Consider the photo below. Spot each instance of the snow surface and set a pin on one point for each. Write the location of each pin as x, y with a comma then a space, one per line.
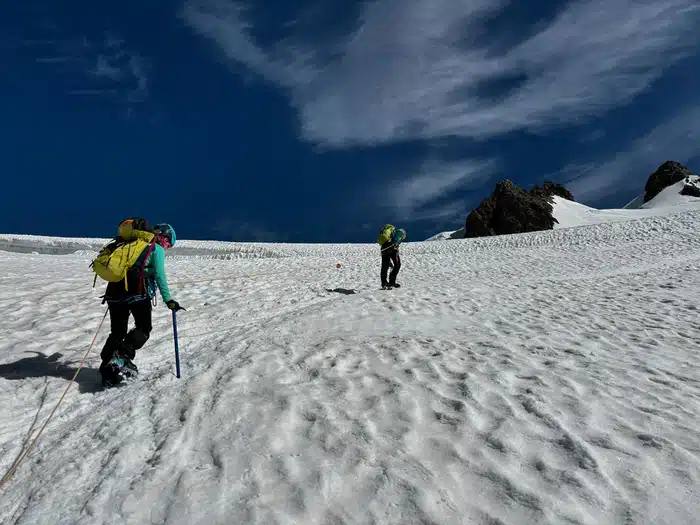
525, 379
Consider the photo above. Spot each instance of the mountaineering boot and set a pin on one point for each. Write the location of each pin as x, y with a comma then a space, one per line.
127, 352
110, 374
386, 287
395, 285
129, 369
124, 366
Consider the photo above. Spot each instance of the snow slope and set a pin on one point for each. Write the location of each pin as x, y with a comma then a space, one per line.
444, 236
669, 201
528, 379
671, 196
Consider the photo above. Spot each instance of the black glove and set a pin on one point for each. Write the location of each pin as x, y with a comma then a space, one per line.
174, 306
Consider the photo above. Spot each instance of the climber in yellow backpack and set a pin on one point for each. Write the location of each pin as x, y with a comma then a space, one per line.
389, 239
133, 265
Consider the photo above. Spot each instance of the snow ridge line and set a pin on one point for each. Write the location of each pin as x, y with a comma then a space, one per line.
224, 278
13, 469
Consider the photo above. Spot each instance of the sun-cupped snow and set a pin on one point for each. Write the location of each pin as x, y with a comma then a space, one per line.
543, 378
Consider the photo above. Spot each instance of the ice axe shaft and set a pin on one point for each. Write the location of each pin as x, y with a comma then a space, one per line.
177, 347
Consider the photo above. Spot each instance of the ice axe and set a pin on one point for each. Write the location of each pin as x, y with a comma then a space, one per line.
177, 348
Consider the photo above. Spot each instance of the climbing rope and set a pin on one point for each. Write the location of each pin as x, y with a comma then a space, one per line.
11, 472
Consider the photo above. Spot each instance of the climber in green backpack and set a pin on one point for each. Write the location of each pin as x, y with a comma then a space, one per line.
133, 264
389, 239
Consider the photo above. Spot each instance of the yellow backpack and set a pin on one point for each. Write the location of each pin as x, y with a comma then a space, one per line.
116, 259
385, 234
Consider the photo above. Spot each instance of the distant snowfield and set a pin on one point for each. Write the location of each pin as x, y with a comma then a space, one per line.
573, 214
526, 379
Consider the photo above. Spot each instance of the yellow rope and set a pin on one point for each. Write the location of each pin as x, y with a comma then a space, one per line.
20, 459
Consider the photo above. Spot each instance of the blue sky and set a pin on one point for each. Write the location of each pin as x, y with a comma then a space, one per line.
314, 121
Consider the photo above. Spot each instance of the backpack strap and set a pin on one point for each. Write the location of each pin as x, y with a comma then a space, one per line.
143, 264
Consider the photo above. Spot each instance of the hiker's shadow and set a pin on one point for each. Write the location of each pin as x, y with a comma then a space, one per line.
343, 291
41, 365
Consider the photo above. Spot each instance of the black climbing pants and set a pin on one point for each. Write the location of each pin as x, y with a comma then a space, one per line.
120, 337
390, 259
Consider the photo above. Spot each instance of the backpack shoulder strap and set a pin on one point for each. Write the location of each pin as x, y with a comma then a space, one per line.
149, 251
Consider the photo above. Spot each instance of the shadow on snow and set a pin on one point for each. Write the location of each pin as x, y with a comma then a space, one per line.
344, 291
88, 380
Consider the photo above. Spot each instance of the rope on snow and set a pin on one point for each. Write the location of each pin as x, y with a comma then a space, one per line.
13, 469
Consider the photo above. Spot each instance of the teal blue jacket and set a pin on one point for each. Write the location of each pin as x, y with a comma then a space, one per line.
155, 274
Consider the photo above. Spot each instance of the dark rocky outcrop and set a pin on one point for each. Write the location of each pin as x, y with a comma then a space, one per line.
667, 174
691, 188
511, 209
550, 188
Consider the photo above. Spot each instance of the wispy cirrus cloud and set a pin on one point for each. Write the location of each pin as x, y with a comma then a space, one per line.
448, 213
412, 70
139, 69
107, 67
93, 92
104, 67
225, 23
54, 59
678, 139
433, 181
124, 70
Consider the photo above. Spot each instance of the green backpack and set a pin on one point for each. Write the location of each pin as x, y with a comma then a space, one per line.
116, 259
385, 234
